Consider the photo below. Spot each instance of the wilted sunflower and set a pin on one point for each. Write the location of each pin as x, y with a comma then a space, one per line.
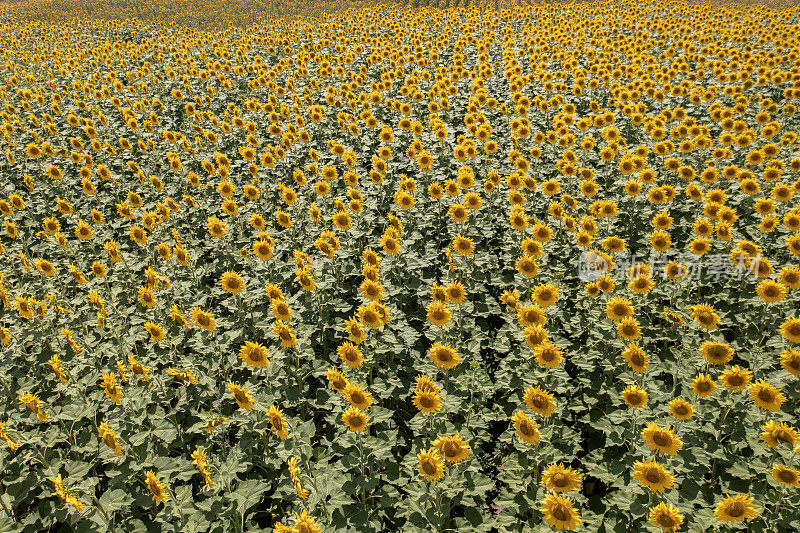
666, 516
559, 478
559, 512
453, 449
527, 429
653, 475
661, 440
766, 396
736, 508
430, 465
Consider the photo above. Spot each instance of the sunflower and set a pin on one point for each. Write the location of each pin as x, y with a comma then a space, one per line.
216, 227
232, 282
636, 358
716, 353
641, 284
628, 329
527, 429
427, 401
254, 354
790, 329
157, 333
681, 409
455, 292
453, 449
463, 245
790, 362
354, 419
281, 310
157, 489
706, 316
357, 396
736, 508
634, 397
337, 380
109, 383
526, 265
350, 355
548, 354
786, 476
661, 439
285, 334
736, 378
545, 295
355, 332
703, 385
203, 319
430, 465
770, 291
766, 396
278, 422
527, 315
539, 401
774, 432
146, 297
666, 516
559, 478
444, 356
438, 314
243, 398
653, 475
559, 512
618, 309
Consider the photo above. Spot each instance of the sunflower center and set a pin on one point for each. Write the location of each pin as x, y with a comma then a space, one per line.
661, 438
428, 468
666, 521
560, 512
539, 402
426, 401
681, 410
765, 395
736, 380
704, 386
786, 476
526, 429
652, 475
450, 449
736, 509
560, 480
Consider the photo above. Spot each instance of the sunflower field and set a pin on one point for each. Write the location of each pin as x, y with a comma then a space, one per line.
447, 265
